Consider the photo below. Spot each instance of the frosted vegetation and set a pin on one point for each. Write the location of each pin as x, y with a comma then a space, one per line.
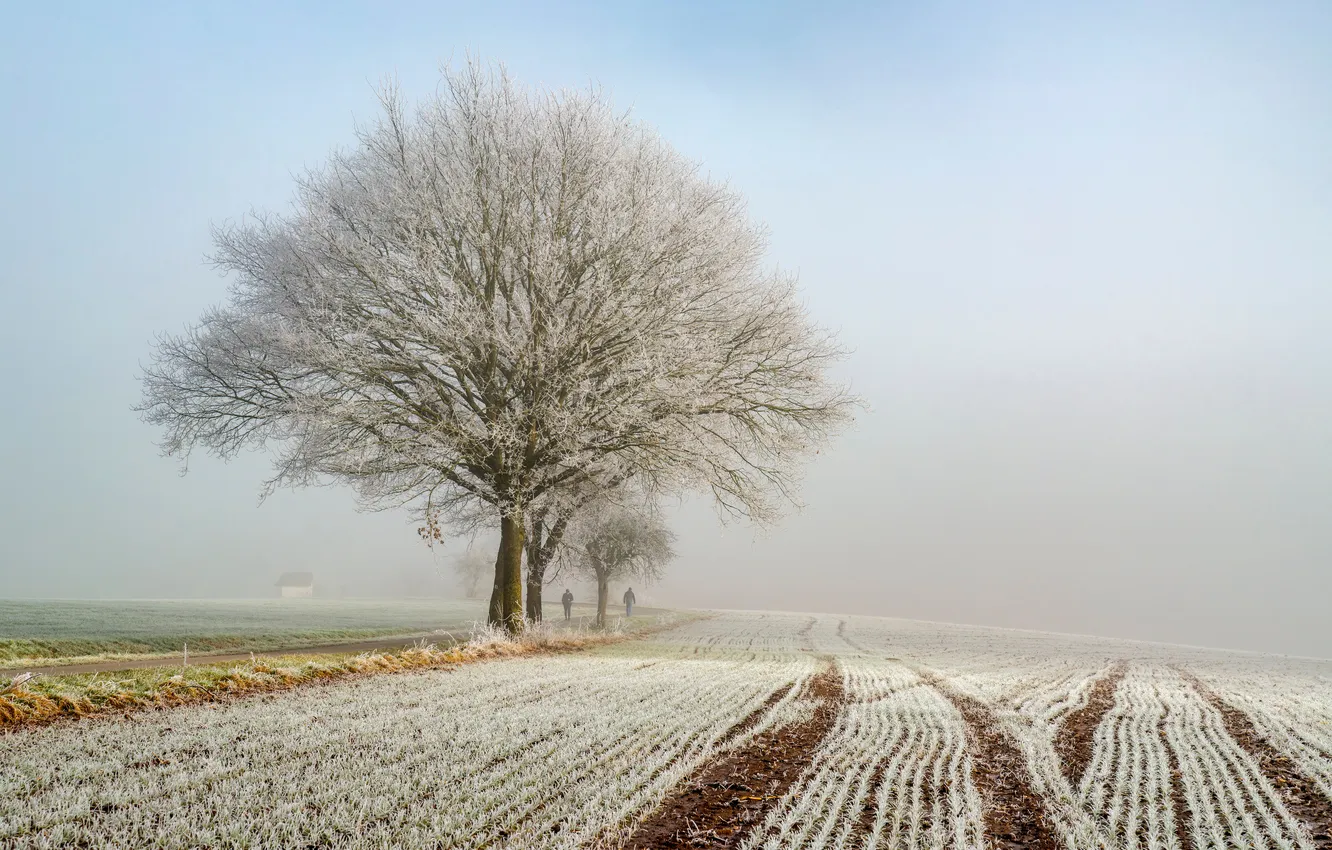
1294, 710
35, 632
495, 304
574, 750
416, 759
900, 748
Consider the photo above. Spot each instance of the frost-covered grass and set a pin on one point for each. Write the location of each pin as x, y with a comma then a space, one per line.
1292, 712
36, 633
891, 773
573, 750
1230, 803
897, 752
1031, 681
81, 694
542, 751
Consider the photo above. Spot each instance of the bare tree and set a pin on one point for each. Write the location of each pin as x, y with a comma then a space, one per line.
494, 304
614, 542
471, 567
545, 534
546, 528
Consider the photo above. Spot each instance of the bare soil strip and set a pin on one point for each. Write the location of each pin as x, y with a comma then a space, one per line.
870, 809
1077, 734
1302, 797
804, 634
1182, 813
1014, 813
726, 798
841, 633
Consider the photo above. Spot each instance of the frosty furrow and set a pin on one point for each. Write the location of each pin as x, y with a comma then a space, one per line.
536, 751
1293, 713
894, 772
1129, 778
1037, 704
1159, 722
743, 631
1231, 801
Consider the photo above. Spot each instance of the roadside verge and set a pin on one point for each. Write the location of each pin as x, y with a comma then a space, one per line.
45, 700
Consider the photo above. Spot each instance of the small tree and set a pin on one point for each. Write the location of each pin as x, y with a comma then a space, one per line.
547, 525
614, 542
471, 567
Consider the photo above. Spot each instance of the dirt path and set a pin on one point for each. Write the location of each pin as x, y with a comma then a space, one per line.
1014, 813
1301, 795
1076, 738
724, 800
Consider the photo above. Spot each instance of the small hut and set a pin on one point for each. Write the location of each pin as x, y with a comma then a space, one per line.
296, 585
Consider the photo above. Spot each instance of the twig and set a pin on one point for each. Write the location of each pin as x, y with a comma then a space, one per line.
18, 682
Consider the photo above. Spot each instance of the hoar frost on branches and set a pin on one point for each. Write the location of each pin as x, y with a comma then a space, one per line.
613, 542
506, 298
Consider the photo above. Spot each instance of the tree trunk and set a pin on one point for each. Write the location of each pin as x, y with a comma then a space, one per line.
495, 616
506, 599
536, 571
603, 594
539, 554
533, 603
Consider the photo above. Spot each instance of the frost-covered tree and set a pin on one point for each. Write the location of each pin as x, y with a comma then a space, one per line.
544, 536
549, 522
471, 567
614, 542
494, 303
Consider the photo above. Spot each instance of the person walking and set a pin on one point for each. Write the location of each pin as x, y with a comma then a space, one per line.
629, 602
567, 599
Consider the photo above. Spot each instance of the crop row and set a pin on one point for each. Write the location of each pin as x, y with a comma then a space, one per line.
575, 750
893, 773
1294, 713
538, 752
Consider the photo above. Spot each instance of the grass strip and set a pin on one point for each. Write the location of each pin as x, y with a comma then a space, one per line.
52, 698
69, 651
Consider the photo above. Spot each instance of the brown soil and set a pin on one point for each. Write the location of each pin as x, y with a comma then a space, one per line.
1302, 797
1014, 813
870, 809
723, 800
1076, 736
1177, 800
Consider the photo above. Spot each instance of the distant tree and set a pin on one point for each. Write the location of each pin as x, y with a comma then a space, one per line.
471, 567
614, 542
497, 303
547, 526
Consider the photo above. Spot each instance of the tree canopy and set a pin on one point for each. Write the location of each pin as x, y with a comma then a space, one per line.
613, 542
504, 298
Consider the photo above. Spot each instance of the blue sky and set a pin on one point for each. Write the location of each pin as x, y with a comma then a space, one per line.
1083, 257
